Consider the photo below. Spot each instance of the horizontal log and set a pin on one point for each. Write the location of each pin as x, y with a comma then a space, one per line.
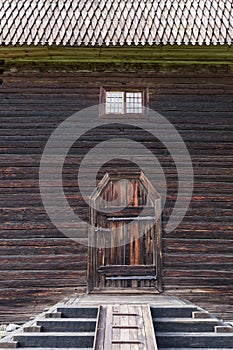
187, 246
220, 217
54, 250
213, 225
41, 242
206, 292
187, 135
200, 234
38, 233
34, 161
45, 127
201, 173
183, 119
72, 232
198, 274
197, 259
39, 283
201, 282
41, 262
40, 275
198, 267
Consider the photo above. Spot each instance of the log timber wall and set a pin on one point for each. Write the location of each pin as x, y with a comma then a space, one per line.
39, 265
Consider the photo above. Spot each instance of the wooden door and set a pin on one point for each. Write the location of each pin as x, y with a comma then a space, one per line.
125, 237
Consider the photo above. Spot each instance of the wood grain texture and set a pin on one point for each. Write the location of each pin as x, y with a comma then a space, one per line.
37, 263
123, 327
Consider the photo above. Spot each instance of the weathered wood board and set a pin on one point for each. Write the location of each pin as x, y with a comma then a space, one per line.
124, 327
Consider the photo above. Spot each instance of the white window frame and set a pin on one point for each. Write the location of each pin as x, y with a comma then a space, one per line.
125, 101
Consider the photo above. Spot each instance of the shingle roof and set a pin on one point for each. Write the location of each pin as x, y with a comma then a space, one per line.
98, 22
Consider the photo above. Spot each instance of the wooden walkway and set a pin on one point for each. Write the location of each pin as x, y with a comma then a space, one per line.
125, 327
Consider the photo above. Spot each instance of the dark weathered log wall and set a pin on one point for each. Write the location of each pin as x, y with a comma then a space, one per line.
37, 263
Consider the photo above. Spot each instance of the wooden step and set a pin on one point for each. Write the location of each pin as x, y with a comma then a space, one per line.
67, 325
194, 340
78, 312
55, 340
179, 324
193, 348
125, 327
173, 311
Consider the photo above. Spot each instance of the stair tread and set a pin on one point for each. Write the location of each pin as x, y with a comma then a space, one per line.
186, 319
64, 319
194, 334
60, 334
79, 307
195, 349
184, 306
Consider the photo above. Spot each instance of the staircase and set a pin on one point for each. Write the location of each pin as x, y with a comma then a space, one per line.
190, 328
65, 328
123, 326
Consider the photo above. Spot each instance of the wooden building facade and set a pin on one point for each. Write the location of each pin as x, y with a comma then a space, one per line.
43, 85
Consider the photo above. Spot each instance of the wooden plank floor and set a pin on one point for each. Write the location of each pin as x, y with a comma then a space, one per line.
95, 299
125, 327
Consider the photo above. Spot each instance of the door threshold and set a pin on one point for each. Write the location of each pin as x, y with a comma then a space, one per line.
125, 291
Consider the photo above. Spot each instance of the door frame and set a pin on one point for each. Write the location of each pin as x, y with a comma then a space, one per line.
92, 249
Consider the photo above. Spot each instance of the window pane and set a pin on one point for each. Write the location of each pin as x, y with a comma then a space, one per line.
114, 102
133, 102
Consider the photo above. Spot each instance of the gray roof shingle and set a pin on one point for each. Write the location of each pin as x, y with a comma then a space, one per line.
99, 22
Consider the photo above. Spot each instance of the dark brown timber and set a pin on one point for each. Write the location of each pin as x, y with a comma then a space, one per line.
38, 265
